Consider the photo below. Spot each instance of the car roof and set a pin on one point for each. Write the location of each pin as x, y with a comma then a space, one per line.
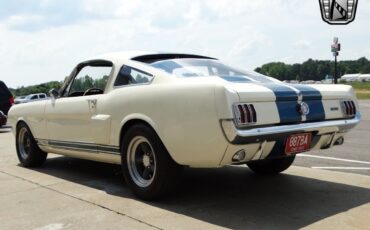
144, 56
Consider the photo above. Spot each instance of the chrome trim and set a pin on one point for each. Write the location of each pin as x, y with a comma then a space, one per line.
243, 136
79, 146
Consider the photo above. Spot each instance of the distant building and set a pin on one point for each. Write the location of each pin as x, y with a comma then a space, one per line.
364, 77
350, 77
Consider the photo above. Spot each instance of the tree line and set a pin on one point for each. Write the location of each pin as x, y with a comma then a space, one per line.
40, 88
313, 69
80, 84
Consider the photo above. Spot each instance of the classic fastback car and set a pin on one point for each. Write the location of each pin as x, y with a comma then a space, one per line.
156, 112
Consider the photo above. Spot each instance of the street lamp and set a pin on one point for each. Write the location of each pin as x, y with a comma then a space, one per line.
335, 48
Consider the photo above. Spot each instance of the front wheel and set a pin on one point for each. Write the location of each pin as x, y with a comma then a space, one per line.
271, 166
29, 154
148, 169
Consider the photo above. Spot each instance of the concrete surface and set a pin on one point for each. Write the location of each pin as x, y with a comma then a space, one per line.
76, 194
356, 148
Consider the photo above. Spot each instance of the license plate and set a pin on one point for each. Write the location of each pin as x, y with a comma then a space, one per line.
298, 143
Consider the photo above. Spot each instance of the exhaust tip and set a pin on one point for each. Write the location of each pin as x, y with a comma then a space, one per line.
239, 156
339, 141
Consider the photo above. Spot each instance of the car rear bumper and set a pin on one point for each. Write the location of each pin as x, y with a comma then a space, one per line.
254, 135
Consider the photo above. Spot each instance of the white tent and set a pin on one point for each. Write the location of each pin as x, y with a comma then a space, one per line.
350, 77
364, 77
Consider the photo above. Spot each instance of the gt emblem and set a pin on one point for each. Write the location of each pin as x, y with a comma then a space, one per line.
338, 12
303, 108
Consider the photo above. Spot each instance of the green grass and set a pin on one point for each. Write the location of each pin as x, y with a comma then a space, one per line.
360, 85
362, 89
363, 95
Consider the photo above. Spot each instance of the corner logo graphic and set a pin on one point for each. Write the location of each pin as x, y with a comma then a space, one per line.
338, 12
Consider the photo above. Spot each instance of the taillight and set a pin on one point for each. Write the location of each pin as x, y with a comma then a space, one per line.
348, 108
245, 114
11, 100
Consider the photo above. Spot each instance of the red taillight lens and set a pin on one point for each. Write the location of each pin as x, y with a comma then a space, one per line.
11, 100
245, 114
348, 108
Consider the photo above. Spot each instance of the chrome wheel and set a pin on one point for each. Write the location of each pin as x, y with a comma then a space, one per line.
141, 161
24, 143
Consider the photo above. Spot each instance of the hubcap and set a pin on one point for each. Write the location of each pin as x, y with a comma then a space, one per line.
141, 161
24, 143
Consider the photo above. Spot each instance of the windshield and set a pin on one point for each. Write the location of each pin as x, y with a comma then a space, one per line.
190, 67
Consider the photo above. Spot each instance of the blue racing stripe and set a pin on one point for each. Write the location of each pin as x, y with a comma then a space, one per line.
282, 92
286, 102
308, 92
313, 98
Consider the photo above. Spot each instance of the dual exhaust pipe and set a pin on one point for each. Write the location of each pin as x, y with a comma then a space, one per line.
240, 155
339, 141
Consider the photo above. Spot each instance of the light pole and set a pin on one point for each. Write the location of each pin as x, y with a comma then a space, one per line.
335, 48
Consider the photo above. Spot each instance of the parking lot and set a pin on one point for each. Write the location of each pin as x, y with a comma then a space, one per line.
323, 190
353, 156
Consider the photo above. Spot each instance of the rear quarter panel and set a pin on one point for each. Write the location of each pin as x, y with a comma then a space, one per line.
183, 114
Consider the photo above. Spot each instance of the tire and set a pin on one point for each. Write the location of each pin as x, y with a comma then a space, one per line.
271, 166
29, 154
147, 167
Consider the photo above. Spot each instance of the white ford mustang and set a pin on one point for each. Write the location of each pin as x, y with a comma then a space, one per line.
155, 112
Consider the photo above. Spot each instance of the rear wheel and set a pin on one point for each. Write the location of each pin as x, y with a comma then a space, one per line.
29, 154
271, 166
147, 167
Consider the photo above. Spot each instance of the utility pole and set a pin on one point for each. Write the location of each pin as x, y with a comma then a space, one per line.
335, 48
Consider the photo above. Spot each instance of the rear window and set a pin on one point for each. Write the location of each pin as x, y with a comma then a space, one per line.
191, 67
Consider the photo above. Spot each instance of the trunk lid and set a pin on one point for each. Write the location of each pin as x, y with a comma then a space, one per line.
323, 101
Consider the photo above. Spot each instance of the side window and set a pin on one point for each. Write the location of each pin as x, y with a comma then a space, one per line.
34, 97
129, 76
90, 80
42, 96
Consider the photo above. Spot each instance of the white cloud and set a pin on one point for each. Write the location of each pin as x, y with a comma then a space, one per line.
22, 20
45, 41
247, 44
302, 45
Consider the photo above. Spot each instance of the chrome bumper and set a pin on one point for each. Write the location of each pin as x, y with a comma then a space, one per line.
244, 136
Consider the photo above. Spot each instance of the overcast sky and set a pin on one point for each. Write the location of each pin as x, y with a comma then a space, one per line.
42, 40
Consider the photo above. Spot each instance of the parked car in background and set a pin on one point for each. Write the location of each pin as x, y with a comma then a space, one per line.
3, 119
18, 99
32, 97
6, 98
153, 113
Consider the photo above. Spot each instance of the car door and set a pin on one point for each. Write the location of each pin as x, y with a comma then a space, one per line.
70, 118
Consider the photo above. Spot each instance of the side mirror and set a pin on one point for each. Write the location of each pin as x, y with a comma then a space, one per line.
54, 93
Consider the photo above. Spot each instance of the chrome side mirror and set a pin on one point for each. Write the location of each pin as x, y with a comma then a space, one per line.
54, 93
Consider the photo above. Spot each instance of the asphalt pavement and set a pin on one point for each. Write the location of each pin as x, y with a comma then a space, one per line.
70, 193
353, 156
